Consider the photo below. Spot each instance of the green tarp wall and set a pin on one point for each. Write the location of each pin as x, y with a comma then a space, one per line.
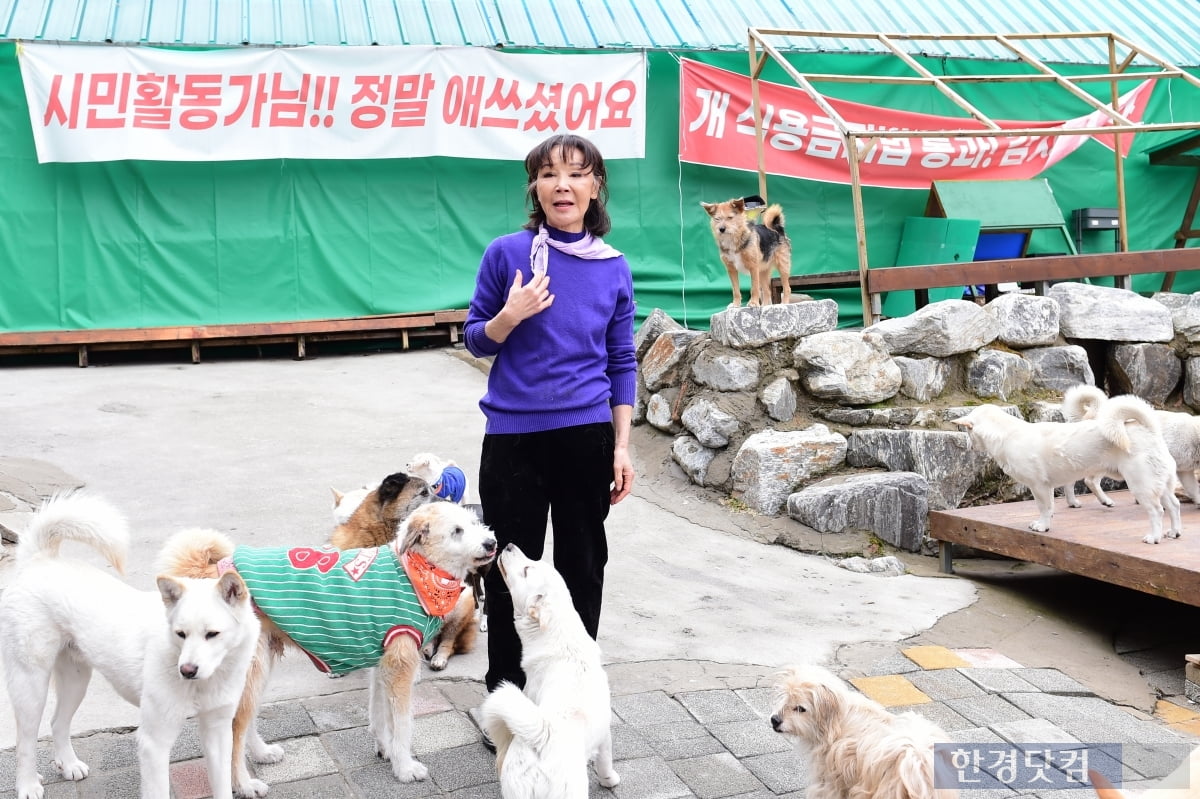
141, 243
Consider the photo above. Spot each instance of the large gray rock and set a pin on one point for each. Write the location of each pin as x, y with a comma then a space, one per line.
779, 397
944, 458
848, 367
664, 363
892, 505
1151, 371
693, 457
770, 465
995, 373
661, 411
711, 426
924, 378
940, 329
1025, 320
1110, 314
753, 326
1059, 368
725, 369
657, 323
1185, 313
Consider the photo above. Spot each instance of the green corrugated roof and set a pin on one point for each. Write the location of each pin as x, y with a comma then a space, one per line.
1165, 27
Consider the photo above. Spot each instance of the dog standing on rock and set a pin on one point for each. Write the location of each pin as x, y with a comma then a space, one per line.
752, 248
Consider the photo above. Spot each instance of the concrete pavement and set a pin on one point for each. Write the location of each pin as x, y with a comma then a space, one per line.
699, 612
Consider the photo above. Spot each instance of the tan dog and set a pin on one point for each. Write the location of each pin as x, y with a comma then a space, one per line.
314, 594
374, 523
752, 248
855, 746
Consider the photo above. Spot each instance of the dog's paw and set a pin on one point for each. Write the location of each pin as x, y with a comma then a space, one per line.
611, 780
483, 624
411, 772
1038, 527
1108, 503
1173, 534
268, 753
1151, 538
438, 661
252, 789
32, 790
73, 770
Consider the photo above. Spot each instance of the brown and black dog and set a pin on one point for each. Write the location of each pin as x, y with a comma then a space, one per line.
374, 522
752, 248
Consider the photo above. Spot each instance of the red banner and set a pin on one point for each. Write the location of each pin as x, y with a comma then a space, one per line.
716, 127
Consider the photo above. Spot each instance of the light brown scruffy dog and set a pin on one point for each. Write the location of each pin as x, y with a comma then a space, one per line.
374, 523
855, 746
752, 248
362, 608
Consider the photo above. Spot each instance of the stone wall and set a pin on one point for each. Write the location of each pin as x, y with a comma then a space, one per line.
847, 431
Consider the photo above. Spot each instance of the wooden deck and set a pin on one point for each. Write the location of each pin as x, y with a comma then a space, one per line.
1093, 541
402, 326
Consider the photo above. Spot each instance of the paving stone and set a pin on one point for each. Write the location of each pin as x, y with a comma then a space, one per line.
983, 710
649, 778
1052, 681
987, 658
650, 707
1032, 731
678, 748
102, 752
443, 731
332, 786
709, 707
746, 738
351, 748
934, 657
942, 684
303, 758
975, 735
892, 664
338, 711
489, 791
890, 691
760, 700
779, 771
377, 779
629, 743
280, 720
997, 680
122, 784
187, 745
1154, 761
939, 714
713, 776
189, 780
461, 767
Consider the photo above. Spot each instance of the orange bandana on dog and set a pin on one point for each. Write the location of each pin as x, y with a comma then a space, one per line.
436, 588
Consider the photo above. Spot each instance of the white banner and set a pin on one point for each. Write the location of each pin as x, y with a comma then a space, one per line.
108, 103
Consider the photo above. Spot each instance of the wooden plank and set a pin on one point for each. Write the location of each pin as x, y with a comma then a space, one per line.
1093, 541
823, 280
1015, 270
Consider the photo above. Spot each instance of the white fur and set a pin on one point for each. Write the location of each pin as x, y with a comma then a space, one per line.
855, 747
545, 736
429, 467
60, 619
1124, 439
344, 504
1181, 431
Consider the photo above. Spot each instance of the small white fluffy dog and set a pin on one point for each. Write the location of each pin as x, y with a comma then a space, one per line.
345, 503
182, 649
1181, 431
445, 477
1124, 439
855, 747
545, 736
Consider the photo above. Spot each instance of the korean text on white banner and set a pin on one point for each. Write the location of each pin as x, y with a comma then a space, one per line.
716, 127
107, 103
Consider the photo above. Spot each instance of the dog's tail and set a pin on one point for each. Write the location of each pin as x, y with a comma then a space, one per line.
507, 714
81, 517
194, 553
1082, 402
1115, 414
773, 218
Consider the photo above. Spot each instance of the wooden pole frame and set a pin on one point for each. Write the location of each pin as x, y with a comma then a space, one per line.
858, 143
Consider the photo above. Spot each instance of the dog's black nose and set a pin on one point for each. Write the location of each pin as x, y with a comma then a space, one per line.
189, 670
509, 547
775, 722
489, 546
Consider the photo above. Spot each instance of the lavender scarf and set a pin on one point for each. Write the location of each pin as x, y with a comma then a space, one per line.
590, 247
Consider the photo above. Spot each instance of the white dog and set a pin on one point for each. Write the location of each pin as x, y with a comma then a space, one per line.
545, 736
182, 649
1181, 431
445, 477
1124, 439
855, 747
345, 503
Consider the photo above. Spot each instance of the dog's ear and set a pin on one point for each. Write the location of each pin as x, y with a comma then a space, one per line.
338, 496
170, 589
536, 609
709, 207
417, 526
232, 589
391, 487
739, 205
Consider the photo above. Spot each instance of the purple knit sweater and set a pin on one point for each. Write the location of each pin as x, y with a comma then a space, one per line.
567, 365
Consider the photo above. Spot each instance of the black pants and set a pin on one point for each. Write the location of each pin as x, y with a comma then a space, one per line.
566, 473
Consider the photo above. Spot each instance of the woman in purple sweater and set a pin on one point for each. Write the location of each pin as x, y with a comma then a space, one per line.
554, 304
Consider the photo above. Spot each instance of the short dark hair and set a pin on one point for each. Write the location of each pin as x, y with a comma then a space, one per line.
595, 219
